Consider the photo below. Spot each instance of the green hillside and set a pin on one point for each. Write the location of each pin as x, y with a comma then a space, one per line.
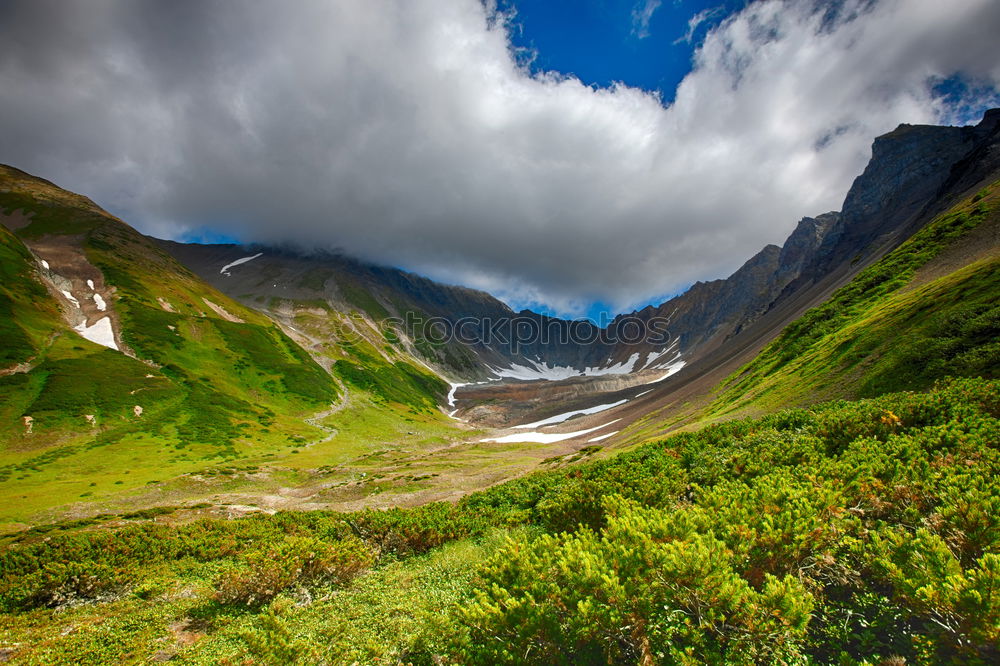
218, 384
862, 531
899, 325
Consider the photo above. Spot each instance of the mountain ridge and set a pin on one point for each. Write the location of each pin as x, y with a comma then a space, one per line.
287, 362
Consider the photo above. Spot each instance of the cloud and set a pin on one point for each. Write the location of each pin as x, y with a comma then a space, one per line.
697, 20
406, 133
642, 14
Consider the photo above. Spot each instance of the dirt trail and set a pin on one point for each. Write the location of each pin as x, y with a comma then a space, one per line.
32, 361
316, 419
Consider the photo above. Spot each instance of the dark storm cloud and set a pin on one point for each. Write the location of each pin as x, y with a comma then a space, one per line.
403, 131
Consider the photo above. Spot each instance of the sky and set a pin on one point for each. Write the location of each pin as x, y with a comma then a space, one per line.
564, 155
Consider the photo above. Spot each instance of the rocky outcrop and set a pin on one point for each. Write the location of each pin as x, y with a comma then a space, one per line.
913, 169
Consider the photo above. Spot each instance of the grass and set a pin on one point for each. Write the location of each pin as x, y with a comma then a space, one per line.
28, 318
213, 392
853, 532
381, 616
874, 335
788, 505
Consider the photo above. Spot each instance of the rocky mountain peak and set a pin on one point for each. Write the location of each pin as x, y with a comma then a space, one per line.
803, 242
908, 168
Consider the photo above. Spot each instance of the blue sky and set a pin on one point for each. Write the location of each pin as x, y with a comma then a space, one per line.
647, 44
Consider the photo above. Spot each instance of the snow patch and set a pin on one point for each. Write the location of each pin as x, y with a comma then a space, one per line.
600, 437
543, 437
559, 418
225, 269
99, 302
90, 283
533, 370
671, 370
642, 394
45, 264
451, 399
451, 393
70, 298
539, 371
652, 357
622, 368
101, 332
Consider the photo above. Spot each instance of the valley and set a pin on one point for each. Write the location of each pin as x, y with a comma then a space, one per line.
229, 395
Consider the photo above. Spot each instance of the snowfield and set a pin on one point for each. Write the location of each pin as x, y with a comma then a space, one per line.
622, 368
101, 332
559, 418
543, 437
671, 370
540, 370
451, 393
225, 269
653, 357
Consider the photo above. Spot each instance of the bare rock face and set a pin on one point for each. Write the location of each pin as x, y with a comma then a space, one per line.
802, 244
711, 312
912, 168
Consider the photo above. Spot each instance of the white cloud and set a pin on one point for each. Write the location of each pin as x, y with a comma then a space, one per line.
406, 133
697, 20
642, 14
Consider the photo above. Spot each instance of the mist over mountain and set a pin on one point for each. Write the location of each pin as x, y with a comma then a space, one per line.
408, 134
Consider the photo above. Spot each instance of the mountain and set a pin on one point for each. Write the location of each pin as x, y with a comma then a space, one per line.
316, 379
464, 333
860, 531
914, 172
122, 369
153, 394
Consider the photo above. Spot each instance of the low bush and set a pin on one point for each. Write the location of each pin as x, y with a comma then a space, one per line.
58, 584
260, 575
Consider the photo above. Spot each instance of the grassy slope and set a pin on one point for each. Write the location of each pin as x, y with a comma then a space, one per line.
875, 335
853, 532
27, 317
881, 332
221, 394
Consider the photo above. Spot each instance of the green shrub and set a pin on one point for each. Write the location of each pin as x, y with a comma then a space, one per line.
408, 531
644, 590
260, 575
59, 584
271, 641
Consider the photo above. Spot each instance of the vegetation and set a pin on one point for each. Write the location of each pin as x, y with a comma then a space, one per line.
211, 389
845, 532
22, 327
851, 532
883, 331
